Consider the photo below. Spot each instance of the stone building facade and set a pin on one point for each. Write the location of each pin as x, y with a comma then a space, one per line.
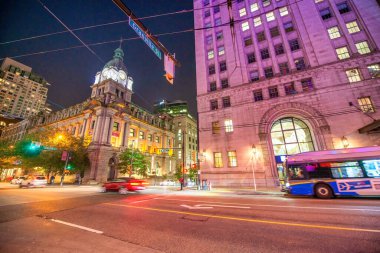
276, 78
112, 122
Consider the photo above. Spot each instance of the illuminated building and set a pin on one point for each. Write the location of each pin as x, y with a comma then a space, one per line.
112, 123
277, 77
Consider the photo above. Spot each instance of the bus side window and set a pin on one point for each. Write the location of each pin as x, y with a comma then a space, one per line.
296, 173
372, 168
315, 170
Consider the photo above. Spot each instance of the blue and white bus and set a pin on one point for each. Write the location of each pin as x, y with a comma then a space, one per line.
330, 173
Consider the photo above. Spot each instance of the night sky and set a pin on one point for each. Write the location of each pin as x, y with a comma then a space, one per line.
72, 71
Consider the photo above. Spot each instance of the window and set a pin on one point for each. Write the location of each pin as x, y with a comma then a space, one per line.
264, 53
257, 21
273, 92
226, 102
260, 36
307, 84
363, 47
268, 72
218, 163
258, 95
216, 9
293, 44
221, 50
232, 161
343, 8
115, 126
289, 89
284, 69
209, 40
342, 53
288, 27
274, 32
251, 58
157, 139
207, 13
366, 104
208, 25
223, 66
210, 54
266, 3
245, 26
224, 83
219, 35
291, 136
270, 16
215, 127
213, 86
374, 70
254, 76
352, 27
141, 135
325, 14
214, 104
300, 64
318, 1
372, 168
211, 69
228, 126
284, 11
254, 7
346, 170
218, 21
248, 41
132, 132
242, 12
279, 49
333, 32
353, 75
206, 2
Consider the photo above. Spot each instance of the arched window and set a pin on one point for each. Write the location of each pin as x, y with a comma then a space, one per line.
291, 136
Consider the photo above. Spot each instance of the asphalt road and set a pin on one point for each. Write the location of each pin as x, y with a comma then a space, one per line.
79, 219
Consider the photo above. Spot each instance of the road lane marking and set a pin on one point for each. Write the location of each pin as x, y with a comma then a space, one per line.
197, 207
260, 205
250, 220
77, 226
208, 206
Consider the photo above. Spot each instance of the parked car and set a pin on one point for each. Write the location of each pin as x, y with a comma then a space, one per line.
34, 181
18, 180
124, 184
168, 182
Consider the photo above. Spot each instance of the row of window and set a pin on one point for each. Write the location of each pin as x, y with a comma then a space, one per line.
132, 133
342, 8
232, 159
354, 75
225, 103
343, 52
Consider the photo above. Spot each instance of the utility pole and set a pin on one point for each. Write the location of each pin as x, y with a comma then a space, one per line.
183, 159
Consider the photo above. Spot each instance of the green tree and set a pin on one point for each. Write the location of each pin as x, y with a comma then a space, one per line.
132, 161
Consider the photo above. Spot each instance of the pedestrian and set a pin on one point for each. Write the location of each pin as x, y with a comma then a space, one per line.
52, 178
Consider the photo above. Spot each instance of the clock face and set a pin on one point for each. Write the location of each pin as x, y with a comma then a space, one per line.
122, 75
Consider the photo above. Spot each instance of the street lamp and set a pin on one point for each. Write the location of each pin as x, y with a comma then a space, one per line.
345, 142
254, 151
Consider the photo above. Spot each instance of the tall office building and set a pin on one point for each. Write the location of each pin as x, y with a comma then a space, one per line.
280, 77
22, 92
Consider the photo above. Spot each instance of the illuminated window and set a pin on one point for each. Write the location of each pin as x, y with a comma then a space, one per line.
218, 162
232, 161
179, 154
210, 54
334, 32
352, 27
115, 126
342, 53
132, 132
374, 70
362, 47
242, 12
291, 136
254, 7
157, 139
284, 11
245, 26
141, 135
318, 1
228, 126
150, 137
366, 104
270, 16
215, 127
221, 50
257, 21
353, 75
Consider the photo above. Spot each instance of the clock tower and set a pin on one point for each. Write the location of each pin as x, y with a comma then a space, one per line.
113, 84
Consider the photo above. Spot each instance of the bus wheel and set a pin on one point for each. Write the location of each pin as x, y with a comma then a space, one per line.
323, 191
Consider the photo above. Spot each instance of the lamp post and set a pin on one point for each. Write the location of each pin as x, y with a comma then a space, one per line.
253, 169
345, 142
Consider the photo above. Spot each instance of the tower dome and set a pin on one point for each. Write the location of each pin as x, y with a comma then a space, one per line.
117, 61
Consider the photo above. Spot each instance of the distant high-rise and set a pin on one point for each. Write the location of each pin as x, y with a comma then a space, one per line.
280, 77
22, 92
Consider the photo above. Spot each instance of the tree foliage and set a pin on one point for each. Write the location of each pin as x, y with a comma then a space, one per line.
132, 161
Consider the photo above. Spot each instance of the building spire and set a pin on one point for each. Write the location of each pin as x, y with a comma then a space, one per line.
121, 41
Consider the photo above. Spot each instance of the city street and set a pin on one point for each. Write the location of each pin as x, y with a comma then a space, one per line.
79, 219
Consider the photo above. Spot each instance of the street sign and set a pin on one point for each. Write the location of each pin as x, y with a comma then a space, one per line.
64, 155
143, 36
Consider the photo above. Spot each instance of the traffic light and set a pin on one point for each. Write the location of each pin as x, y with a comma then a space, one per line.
69, 167
194, 166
